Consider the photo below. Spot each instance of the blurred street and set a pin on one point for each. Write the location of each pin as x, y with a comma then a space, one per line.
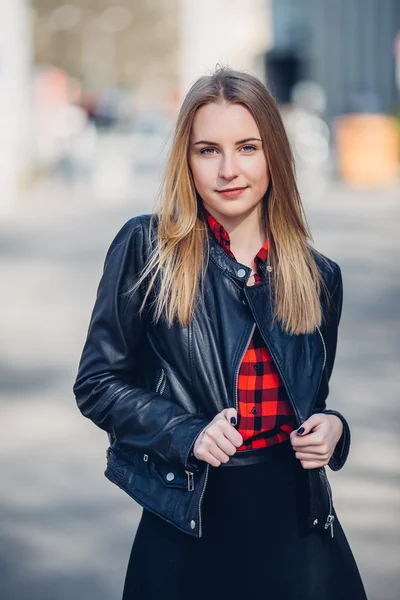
66, 532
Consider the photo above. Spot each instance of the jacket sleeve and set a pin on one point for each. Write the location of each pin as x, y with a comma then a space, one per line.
106, 388
329, 331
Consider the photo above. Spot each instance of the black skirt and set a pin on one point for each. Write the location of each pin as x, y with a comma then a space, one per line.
255, 541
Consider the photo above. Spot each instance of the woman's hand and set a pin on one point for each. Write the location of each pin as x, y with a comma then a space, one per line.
316, 448
219, 440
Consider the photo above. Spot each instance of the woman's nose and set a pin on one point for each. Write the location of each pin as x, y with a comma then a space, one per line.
228, 167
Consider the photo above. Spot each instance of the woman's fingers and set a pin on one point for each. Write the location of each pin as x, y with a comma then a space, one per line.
311, 456
218, 445
313, 464
219, 440
225, 436
312, 439
312, 444
229, 414
219, 455
214, 456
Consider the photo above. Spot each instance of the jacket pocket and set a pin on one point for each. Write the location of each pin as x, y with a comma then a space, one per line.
164, 489
170, 476
121, 460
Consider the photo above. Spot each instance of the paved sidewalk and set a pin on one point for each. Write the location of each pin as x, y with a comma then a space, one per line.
65, 531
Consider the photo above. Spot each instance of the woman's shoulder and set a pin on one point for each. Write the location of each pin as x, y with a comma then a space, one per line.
138, 222
329, 269
132, 238
136, 228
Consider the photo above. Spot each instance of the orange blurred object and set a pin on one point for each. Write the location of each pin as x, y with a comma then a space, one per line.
368, 148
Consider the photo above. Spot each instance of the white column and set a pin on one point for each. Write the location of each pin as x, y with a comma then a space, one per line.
230, 32
15, 97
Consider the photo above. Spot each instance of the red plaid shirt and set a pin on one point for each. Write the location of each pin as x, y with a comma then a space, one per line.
265, 416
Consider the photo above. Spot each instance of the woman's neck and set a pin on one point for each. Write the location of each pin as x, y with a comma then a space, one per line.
247, 235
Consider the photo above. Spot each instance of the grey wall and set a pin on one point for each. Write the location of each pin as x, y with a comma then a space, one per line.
346, 45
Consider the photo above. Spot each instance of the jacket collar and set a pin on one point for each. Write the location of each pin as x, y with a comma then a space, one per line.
218, 253
226, 263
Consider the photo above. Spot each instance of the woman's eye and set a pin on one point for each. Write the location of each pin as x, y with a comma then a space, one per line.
247, 149
205, 150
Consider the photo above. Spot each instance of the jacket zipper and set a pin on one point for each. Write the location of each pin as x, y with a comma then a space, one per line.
161, 382
190, 478
298, 420
330, 518
201, 497
238, 368
323, 344
283, 380
324, 362
236, 406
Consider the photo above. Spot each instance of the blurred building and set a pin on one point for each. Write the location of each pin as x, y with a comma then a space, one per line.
345, 46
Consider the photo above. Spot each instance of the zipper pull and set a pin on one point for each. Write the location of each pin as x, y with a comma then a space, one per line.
329, 523
190, 480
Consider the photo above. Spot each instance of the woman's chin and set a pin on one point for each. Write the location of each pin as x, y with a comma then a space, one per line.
232, 208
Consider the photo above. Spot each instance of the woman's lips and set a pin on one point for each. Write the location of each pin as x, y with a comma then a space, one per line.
233, 193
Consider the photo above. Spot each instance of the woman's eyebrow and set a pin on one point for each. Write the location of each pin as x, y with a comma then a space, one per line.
250, 139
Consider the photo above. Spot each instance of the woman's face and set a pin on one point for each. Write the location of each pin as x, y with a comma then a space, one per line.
225, 153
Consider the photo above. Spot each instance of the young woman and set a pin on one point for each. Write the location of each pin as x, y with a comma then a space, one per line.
207, 360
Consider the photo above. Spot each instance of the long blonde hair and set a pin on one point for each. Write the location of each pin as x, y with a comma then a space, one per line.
180, 256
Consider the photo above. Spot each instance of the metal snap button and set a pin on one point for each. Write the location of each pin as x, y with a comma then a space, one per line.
241, 273
145, 457
192, 524
315, 522
254, 411
269, 268
170, 476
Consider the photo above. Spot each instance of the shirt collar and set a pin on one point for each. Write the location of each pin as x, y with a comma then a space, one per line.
222, 237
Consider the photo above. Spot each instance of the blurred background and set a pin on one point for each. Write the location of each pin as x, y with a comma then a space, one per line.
89, 92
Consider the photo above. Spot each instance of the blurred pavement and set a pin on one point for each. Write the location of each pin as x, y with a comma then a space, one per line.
66, 532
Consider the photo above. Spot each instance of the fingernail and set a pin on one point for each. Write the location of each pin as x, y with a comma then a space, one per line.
233, 420
301, 430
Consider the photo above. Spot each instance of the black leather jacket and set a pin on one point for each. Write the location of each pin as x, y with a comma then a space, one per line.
154, 388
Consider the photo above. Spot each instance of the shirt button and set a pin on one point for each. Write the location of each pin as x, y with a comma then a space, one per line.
254, 411
241, 273
269, 268
256, 366
170, 476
